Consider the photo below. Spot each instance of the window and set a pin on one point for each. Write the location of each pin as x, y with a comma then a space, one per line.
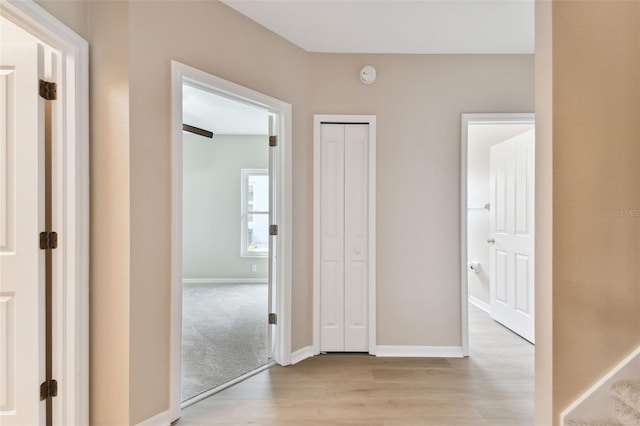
254, 239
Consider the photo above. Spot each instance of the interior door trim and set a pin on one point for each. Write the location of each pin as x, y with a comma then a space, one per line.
318, 120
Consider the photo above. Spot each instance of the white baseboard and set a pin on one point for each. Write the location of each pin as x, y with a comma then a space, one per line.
162, 419
302, 354
480, 304
188, 281
596, 402
420, 351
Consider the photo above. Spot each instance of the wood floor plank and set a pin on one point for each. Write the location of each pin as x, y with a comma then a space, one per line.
493, 387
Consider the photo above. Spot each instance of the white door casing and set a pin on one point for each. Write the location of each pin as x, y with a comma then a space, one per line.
512, 233
22, 296
344, 234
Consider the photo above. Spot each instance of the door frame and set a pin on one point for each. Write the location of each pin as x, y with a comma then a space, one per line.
283, 171
70, 192
318, 119
466, 120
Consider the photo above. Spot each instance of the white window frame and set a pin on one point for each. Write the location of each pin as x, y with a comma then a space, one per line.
244, 213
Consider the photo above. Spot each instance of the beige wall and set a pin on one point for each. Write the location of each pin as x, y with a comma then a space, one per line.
596, 154
544, 215
418, 100
110, 221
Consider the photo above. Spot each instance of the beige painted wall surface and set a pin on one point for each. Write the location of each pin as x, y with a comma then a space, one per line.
544, 216
596, 191
73, 13
110, 221
211, 37
418, 100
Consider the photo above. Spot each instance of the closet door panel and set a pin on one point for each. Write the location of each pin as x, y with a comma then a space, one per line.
332, 238
356, 224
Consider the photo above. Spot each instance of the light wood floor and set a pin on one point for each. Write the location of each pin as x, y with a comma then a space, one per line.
494, 386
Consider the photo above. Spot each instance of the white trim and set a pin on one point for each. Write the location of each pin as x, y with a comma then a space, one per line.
71, 207
480, 304
180, 73
627, 369
302, 354
467, 119
317, 120
420, 351
162, 419
195, 281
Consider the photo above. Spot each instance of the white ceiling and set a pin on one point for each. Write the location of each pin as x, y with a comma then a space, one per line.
220, 115
398, 26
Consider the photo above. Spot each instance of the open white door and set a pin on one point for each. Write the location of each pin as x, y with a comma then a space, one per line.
22, 295
512, 232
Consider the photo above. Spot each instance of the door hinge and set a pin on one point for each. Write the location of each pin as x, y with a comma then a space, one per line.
48, 90
273, 141
48, 240
273, 229
48, 389
273, 319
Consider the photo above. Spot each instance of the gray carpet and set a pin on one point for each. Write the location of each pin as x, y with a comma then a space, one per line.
224, 334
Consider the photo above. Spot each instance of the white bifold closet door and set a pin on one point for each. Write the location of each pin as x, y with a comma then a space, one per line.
344, 238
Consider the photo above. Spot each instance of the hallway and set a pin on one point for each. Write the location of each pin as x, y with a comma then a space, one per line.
492, 387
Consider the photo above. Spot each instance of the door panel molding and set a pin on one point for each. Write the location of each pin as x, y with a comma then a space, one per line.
512, 162
368, 250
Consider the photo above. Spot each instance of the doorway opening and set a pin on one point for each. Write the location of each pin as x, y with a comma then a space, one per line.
226, 242
497, 205
231, 234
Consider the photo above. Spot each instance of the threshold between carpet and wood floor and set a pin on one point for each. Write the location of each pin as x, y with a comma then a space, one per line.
493, 387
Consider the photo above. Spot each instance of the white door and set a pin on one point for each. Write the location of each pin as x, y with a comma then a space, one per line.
344, 206
22, 314
512, 232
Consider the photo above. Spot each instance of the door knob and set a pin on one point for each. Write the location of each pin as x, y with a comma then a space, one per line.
491, 240
357, 250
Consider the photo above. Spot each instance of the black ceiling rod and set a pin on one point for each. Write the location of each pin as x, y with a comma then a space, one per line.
197, 131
